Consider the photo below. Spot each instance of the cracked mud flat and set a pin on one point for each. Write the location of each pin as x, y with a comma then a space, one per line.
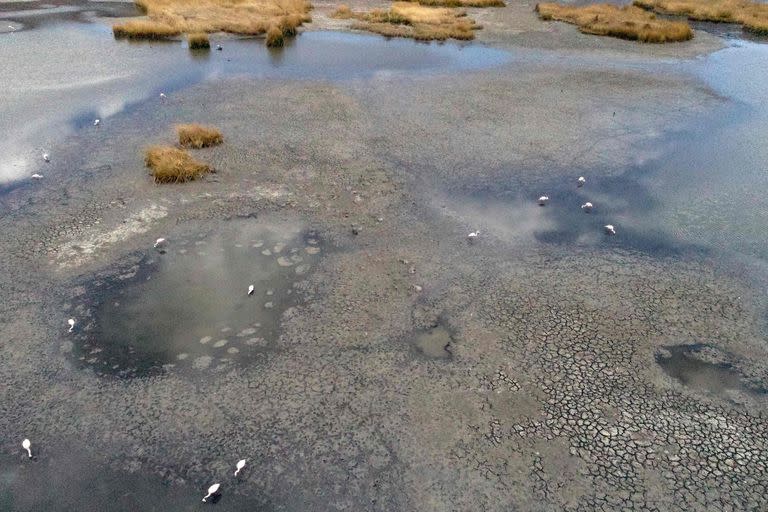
552, 397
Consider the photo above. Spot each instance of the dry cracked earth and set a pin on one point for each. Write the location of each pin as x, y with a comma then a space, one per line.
407, 368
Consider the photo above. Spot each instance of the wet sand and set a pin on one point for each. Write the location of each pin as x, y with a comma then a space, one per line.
548, 396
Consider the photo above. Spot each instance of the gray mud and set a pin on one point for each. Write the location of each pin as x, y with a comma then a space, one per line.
552, 397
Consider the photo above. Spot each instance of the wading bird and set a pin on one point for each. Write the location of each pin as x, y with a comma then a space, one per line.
71, 323
218, 47
473, 235
162, 95
211, 491
587, 207
37, 176
46, 157
543, 200
240, 465
250, 290
609, 229
27, 445
96, 122
159, 243
581, 181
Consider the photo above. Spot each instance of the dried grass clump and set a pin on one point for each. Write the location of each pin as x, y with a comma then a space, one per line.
172, 165
627, 22
752, 15
275, 37
408, 19
145, 29
246, 17
343, 12
197, 136
461, 3
198, 41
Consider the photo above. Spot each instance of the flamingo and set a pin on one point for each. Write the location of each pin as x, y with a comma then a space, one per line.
37, 176
27, 445
96, 122
162, 95
587, 207
211, 491
609, 229
543, 200
46, 157
240, 465
581, 181
159, 243
71, 323
250, 290
473, 235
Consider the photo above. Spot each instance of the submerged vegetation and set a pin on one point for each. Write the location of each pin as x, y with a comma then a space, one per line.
197, 136
627, 22
408, 19
752, 15
172, 165
170, 18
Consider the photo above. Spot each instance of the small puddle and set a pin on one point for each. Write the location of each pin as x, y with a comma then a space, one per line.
435, 342
695, 367
189, 308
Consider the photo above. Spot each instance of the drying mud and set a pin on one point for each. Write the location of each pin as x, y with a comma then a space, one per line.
384, 360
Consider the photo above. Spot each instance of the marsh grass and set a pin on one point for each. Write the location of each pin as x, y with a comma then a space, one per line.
409, 19
275, 37
752, 15
170, 18
172, 165
145, 29
627, 22
198, 41
197, 136
461, 3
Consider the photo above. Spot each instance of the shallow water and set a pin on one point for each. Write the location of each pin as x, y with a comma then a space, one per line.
701, 192
683, 363
71, 73
61, 478
434, 342
188, 308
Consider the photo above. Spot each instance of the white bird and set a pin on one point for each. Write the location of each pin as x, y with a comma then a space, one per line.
250, 290
159, 243
27, 445
96, 122
37, 176
218, 47
240, 465
162, 95
609, 229
473, 234
581, 181
587, 207
211, 491
71, 323
543, 200
46, 157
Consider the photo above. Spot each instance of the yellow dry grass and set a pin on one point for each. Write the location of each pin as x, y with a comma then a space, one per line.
627, 22
197, 136
145, 29
198, 41
168, 18
752, 15
461, 3
275, 37
408, 19
172, 165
